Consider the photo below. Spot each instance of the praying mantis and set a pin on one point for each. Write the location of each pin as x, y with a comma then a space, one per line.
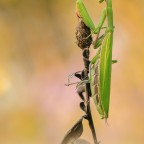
95, 78
101, 64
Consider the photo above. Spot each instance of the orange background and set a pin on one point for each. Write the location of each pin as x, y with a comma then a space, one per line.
38, 51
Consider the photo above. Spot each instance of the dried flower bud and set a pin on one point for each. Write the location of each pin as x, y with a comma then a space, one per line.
83, 35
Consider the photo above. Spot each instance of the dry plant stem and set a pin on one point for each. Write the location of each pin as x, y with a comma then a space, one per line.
91, 125
87, 87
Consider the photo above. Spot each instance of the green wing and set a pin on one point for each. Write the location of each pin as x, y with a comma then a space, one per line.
105, 72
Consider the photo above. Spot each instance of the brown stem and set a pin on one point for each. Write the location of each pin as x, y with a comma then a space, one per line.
91, 124
87, 88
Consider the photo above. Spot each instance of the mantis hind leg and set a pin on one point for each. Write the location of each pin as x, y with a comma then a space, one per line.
80, 85
78, 74
72, 75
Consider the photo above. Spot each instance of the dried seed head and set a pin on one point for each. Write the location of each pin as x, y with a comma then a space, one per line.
83, 35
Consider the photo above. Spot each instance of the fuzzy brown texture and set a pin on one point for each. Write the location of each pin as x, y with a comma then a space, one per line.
83, 35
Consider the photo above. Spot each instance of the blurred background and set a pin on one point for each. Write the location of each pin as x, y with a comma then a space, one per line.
38, 52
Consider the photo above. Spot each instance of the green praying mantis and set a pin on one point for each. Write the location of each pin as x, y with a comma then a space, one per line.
101, 64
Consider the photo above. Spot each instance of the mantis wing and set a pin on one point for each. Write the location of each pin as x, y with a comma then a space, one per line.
105, 72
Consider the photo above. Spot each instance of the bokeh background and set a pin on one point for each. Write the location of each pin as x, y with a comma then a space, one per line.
38, 51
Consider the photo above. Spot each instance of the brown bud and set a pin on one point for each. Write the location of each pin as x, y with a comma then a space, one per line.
83, 35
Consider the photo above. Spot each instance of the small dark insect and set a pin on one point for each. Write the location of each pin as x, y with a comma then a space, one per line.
83, 35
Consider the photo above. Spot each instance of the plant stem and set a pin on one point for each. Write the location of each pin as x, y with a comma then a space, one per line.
91, 125
87, 89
